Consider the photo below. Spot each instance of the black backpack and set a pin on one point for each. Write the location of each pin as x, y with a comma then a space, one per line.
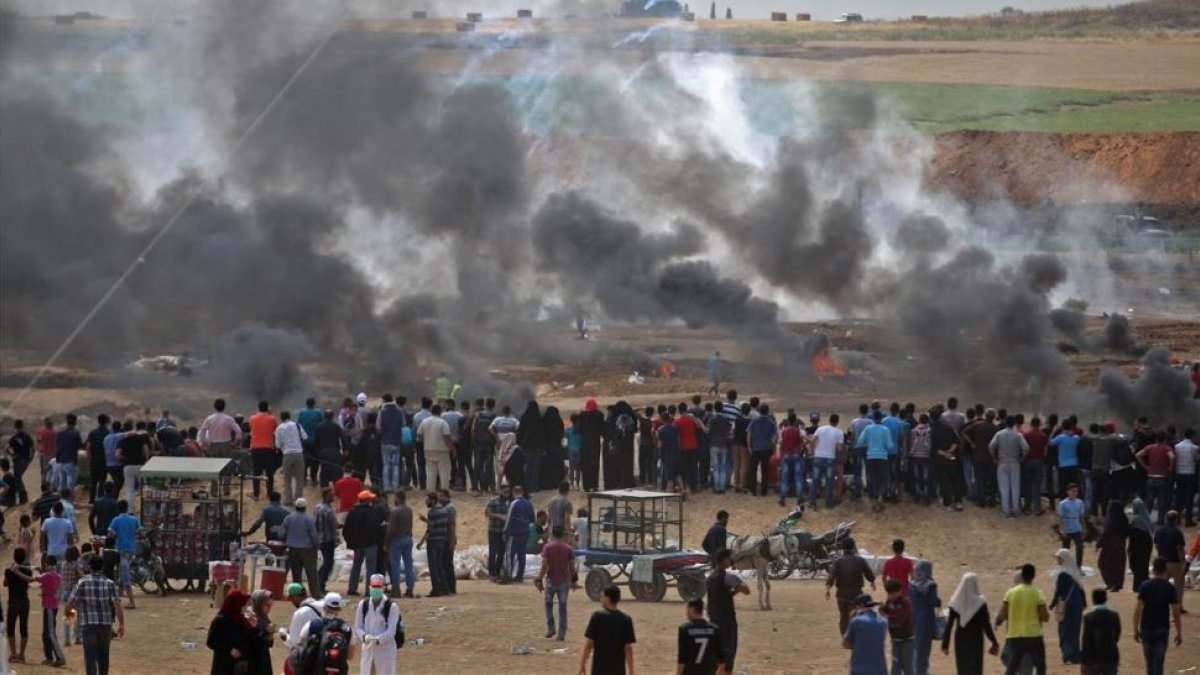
481, 437
326, 651
387, 606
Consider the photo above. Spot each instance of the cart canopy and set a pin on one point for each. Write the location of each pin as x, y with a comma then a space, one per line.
192, 468
633, 494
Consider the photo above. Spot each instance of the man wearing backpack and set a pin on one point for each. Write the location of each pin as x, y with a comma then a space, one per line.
325, 643
307, 610
379, 628
483, 445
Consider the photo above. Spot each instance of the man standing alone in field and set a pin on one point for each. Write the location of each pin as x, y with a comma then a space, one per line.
609, 638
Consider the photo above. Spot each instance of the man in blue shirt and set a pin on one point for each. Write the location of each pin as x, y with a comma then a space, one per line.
125, 528
516, 529
866, 635
308, 419
1070, 521
1067, 445
878, 442
899, 429
763, 434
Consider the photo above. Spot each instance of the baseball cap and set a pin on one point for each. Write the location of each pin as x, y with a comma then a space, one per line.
301, 503
361, 398
292, 590
334, 601
865, 600
366, 496
377, 581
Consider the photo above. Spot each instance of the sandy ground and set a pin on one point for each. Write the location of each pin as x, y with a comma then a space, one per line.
476, 631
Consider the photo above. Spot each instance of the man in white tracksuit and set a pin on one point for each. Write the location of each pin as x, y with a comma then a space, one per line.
375, 621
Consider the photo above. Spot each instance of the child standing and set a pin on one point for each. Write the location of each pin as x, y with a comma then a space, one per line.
72, 572
574, 448
25, 533
51, 581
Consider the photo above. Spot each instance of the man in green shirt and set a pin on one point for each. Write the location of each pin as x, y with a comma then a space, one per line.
1025, 610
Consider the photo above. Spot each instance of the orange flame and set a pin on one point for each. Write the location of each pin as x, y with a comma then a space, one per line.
666, 369
824, 365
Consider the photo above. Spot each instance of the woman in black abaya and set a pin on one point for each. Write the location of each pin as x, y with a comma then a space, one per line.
553, 432
530, 437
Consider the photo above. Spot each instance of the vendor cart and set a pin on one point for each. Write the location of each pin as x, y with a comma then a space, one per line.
196, 506
637, 534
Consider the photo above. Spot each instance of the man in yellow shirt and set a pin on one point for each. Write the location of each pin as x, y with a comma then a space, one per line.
1025, 610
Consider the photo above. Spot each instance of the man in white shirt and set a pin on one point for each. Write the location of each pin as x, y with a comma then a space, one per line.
375, 622
434, 436
307, 609
1185, 475
827, 442
289, 438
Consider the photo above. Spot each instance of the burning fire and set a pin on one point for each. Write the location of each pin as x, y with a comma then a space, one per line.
666, 369
824, 365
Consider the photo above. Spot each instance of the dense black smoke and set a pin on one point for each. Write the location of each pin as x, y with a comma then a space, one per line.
1160, 392
1120, 337
263, 363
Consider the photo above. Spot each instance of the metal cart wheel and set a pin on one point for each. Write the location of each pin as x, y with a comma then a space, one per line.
779, 569
651, 591
595, 582
690, 586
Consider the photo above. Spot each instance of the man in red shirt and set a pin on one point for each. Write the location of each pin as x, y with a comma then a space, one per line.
262, 447
898, 567
792, 445
47, 448
1158, 459
556, 579
689, 447
347, 488
1033, 467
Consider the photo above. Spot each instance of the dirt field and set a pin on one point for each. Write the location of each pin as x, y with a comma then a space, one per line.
798, 636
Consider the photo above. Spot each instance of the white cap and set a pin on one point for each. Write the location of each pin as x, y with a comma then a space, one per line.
333, 601
301, 503
361, 398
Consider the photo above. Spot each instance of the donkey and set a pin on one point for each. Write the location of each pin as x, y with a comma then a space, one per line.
756, 552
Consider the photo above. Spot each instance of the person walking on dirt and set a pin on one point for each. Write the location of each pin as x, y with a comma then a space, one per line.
609, 638
375, 622
700, 651
721, 586
299, 534
848, 574
97, 603
1025, 611
555, 580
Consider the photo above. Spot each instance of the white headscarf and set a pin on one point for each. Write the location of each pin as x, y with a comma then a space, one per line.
508, 446
1066, 565
967, 600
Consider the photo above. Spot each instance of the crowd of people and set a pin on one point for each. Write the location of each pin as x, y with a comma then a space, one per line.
367, 460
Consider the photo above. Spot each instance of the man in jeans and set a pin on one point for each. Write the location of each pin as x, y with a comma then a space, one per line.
95, 599
496, 513
327, 535
516, 529
555, 580
125, 528
1157, 607
400, 545
1070, 521
391, 426
1158, 459
762, 434
362, 531
828, 442
1025, 611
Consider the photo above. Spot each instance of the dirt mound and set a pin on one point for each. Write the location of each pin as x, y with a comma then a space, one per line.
1036, 168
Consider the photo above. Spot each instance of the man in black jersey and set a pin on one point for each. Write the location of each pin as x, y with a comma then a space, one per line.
722, 585
700, 651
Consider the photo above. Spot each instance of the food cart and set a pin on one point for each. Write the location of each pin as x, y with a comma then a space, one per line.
194, 506
640, 534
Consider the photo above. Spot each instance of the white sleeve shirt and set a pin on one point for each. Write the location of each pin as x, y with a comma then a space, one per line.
374, 624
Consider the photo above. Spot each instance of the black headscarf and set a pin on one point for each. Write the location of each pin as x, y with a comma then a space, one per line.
1117, 523
529, 431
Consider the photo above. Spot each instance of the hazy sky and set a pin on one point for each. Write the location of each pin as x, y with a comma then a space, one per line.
820, 9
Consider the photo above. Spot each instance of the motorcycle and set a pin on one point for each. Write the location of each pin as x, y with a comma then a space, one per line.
146, 568
808, 554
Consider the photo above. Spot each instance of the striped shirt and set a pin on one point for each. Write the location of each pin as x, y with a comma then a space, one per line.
438, 520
